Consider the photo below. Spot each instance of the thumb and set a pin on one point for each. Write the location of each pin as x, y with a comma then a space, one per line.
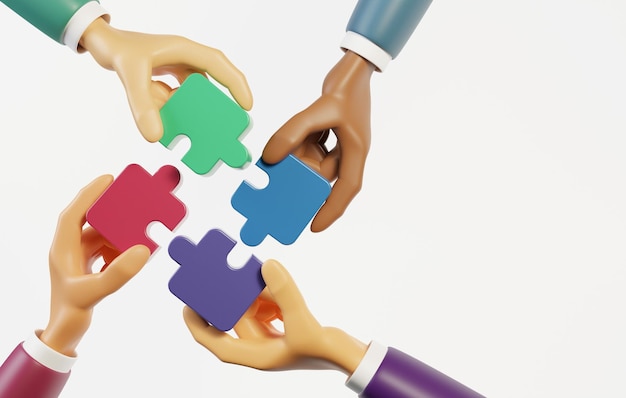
286, 295
319, 116
121, 270
139, 87
148, 121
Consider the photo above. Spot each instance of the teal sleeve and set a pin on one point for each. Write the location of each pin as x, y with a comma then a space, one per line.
49, 16
387, 23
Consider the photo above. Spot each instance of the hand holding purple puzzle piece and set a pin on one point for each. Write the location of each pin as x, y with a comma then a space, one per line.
207, 284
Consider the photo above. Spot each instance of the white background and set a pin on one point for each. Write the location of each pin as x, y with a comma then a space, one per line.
488, 239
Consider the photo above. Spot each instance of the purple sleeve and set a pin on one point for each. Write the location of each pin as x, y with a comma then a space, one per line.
22, 376
402, 376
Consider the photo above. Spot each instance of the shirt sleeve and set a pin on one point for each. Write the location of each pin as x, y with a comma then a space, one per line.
30, 361
62, 20
388, 372
379, 29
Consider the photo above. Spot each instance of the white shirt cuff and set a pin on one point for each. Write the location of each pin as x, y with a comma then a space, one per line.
367, 368
79, 22
366, 49
46, 356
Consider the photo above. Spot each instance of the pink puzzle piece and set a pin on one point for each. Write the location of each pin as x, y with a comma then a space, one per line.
132, 202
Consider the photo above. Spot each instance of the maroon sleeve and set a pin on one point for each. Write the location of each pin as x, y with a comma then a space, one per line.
23, 376
402, 376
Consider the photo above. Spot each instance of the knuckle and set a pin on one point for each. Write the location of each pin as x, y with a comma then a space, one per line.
63, 217
354, 186
217, 53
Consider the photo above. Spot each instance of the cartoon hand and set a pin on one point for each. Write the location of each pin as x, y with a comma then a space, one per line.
305, 344
136, 57
344, 108
75, 290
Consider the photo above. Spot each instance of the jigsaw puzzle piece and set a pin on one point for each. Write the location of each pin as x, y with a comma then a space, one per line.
212, 121
285, 206
133, 201
207, 284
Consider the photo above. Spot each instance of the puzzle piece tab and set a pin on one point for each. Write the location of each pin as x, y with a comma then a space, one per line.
207, 284
284, 208
134, 200
212, 121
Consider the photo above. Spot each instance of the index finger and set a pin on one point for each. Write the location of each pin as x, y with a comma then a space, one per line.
319, 116
286, 294
216, 64
346, 187
137, 82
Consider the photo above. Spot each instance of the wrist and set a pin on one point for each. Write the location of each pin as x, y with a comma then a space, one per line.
343, 350
358, 63
63, 336
97, 39
58, 344
352, 72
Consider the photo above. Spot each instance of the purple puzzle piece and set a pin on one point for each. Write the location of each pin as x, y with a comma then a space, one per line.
207, 284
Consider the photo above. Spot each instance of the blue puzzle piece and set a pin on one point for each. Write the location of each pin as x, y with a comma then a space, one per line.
284, 208
207, 284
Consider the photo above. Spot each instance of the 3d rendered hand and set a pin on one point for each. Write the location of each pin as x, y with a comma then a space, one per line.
344, 108
75, 290
305, 344
137, 57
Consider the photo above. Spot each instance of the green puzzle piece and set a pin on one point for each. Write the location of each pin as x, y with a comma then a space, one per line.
212, 121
